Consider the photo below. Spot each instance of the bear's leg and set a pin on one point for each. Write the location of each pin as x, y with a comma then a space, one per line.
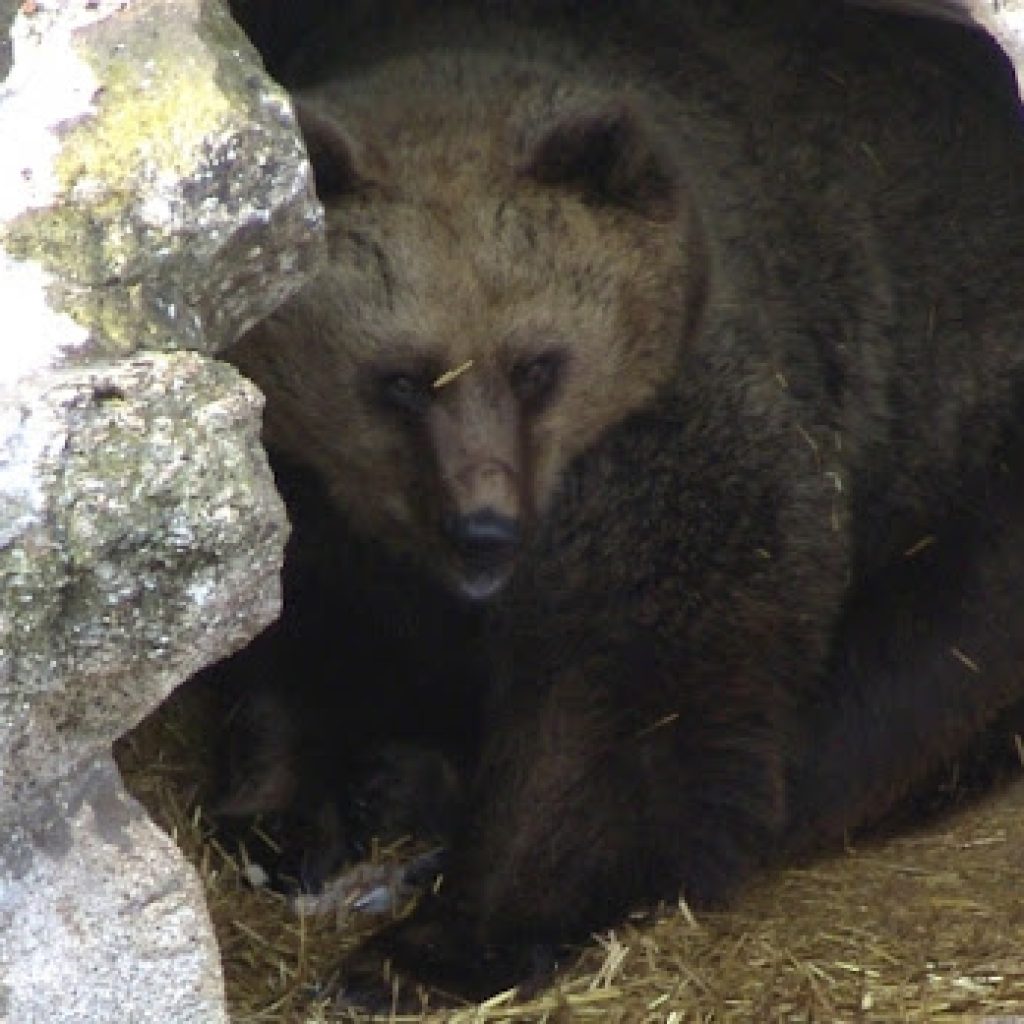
580, 814
932, 651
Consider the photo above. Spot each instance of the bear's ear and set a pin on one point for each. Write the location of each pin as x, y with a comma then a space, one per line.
609, 156
332, 154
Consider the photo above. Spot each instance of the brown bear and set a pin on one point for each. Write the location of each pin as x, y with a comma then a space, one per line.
652, 444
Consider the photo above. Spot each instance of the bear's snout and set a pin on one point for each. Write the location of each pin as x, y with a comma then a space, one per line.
485, 543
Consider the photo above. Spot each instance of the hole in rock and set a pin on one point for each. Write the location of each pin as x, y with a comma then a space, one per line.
918, 918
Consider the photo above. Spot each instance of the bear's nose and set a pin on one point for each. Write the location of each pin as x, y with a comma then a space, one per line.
484, 539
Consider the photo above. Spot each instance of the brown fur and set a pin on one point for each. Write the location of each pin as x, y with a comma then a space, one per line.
774, 271
491, 264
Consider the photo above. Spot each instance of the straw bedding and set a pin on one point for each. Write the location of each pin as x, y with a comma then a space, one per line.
924, 924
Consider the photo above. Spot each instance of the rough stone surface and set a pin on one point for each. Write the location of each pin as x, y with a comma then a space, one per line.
157, 200
150, 145
8, 8
154, 554
103, 925
1001, 19
1004, 21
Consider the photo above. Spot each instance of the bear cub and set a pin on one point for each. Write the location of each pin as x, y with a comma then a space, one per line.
652, 447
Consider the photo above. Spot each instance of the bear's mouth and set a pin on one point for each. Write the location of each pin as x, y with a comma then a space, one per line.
481, 584
483, 548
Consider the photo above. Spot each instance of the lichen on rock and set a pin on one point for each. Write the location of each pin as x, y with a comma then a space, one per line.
170, 152
158, 200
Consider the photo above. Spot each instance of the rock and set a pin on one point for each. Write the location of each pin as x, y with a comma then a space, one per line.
140, 537
104, 925
157, 200
157, 551
8, 8
1003, 20
151, 146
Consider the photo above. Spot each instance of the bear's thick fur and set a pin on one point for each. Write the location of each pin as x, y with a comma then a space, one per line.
653, 447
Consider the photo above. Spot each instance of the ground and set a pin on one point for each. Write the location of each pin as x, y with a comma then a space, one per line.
923, 924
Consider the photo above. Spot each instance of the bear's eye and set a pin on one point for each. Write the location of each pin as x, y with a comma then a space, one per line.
536, 379
405, 392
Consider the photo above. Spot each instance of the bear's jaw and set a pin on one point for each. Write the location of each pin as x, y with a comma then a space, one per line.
480, 586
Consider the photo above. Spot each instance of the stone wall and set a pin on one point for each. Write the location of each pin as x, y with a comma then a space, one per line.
154, 202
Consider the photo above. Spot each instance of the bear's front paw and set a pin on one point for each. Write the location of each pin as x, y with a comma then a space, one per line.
437, 956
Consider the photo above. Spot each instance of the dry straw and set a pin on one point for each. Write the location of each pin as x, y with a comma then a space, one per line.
925, 925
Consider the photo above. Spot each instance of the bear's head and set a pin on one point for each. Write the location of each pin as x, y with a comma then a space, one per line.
514, 268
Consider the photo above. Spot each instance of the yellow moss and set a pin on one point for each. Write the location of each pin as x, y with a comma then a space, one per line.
155, 110
167, 106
